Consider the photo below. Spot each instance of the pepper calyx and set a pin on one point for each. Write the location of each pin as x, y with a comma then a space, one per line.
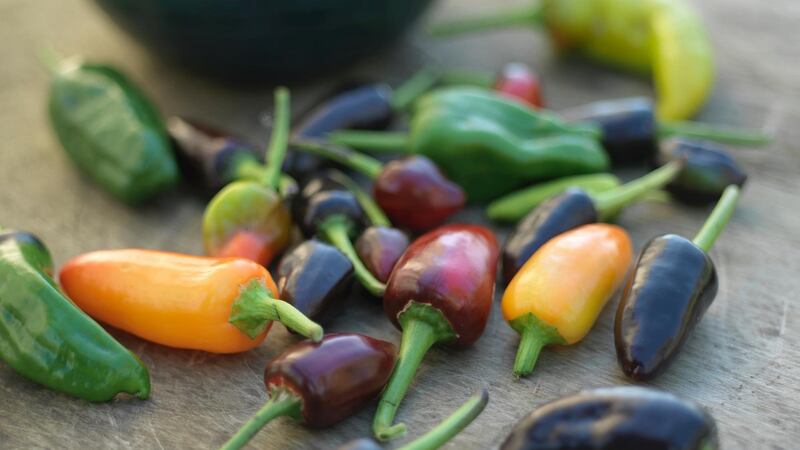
443, 331
256, 307
534, 335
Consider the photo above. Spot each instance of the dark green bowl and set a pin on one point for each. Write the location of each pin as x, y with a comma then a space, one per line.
275, 39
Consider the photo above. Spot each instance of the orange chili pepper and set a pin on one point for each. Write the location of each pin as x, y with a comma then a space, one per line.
220, 305
556, 296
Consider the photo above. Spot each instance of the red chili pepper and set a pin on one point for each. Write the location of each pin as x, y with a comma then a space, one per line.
519, 82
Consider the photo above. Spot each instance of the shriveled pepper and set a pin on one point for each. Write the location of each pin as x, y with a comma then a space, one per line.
219, 305
47, 339
615, 418
320, 384
672, 287
248, 219
440, 292
488, 144
412, 191
572, 209
661, 38
111, 131
558, 294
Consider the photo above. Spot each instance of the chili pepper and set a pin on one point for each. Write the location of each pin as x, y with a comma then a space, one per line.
312, 275
47, 339
572, 209
327, 209
663, 39
219, 305
412, 191
631, 129
111, 131
320, 384
518, 81
488, 144
441, 433
709, 170
672, 286
615, 418
247, 219
440, 292
556, 296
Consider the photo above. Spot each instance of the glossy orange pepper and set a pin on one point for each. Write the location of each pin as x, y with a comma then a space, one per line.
219, 305
556, 296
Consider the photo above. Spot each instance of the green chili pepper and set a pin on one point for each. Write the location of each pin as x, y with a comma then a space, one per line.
46, 338
111, 131
487, 144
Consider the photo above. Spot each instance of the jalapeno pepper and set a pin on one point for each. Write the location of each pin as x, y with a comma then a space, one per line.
219, 305
558, 294
488, 144
320, 384
412, 191
248, 219
440, 292
672, 287
572, 209
47, 339
620, 417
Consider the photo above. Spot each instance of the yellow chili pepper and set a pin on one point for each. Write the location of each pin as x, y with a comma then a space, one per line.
557, 295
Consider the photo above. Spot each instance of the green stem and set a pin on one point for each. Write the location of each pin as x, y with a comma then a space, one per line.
413, 88
716, 133
50, 59
371, 141
363, 164
246, 167
281, 403
529, 16
374, 212
451, 426
718, 219
467, 78
256, 307
335, 230
616, 199
534, 335
278, 143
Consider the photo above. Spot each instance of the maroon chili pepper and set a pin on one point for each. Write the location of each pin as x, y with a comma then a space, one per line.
519, 82
380, 248
439, 292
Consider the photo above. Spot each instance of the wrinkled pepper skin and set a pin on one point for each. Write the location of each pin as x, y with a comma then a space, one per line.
451, 269
111, 131
380, 248
335, 377
709, 169
321, 198
561, 213
312, 276
176, 300
490, 145
616, 418
47, 339
520, 82
671, 289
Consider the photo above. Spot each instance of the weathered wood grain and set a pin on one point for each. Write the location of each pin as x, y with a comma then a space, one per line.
743, 363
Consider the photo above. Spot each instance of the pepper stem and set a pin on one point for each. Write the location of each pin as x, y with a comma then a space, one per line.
374, 212
718, 219
534, 335
278, 142
467, 78
513, 18
616, 199
366, 165
422, 325
451, 426
282, 402
335, 230
413, 88
716, 133
371, 141
256, 307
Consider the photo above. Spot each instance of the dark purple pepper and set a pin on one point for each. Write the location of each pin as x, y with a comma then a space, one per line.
322, 198
380, 248
361, 444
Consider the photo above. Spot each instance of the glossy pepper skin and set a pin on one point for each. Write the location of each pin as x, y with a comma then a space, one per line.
558, 294
615, 418
111, 131
709, 169
380, 248
47, 339
312, 276
520, 82
219, 305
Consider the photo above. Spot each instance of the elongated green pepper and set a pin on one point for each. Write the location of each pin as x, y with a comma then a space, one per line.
46, 338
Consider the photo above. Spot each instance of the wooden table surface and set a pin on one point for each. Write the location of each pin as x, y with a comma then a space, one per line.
743, 362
